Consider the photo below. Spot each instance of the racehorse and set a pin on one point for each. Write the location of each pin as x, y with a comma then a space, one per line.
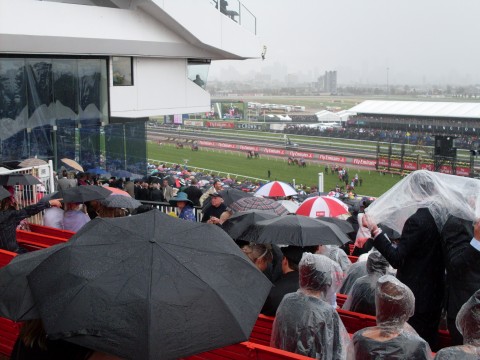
179, 145
251, 154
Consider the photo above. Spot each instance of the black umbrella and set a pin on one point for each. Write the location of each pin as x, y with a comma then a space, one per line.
120, 201
16, 301
18, 179
149, 286
344, 225
295, 230
229, 196
4, 193
239, 222
80, 194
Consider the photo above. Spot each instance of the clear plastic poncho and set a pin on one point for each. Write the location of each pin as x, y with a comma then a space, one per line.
468, 320
356, 271
442, 194
361, 297
371, 344
394, 302
305, 324
338, 255
392, 338
468, 323
338, 275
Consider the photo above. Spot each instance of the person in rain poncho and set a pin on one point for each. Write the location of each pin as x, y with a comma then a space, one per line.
418, 255
361, 298
336, 254
392, 338
356, 271
305, 323
468, 323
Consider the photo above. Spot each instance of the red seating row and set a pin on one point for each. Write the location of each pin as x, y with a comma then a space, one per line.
341, 298
8, 329
34, 241
248, 351
6, 257
351, 247
262, 330
47, 230
353, 322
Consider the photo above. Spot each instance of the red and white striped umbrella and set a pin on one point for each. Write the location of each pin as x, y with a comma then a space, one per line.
276, 188
322, 206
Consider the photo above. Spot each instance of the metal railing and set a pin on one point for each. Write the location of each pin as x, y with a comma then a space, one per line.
238, 12
218, 173
167, 208
30, 194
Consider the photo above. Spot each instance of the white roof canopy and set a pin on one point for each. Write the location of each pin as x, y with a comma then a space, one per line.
419, 108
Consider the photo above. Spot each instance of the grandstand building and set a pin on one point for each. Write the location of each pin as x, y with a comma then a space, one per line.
75, 71
417, 122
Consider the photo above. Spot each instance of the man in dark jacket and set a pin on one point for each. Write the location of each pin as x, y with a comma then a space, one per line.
288, 282
155, 193
193, 192
461, 241
419, 262
214, 211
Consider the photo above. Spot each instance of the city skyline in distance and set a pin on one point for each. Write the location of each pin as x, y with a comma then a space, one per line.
366, 41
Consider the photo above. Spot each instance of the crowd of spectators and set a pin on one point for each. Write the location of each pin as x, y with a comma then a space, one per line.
304, 301
373, 131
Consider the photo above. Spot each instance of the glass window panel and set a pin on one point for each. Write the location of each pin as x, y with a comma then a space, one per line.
92, 85
89, 144
115, 147
40, 90
198, 71
136, 147
65, 89
122, 71
13, 90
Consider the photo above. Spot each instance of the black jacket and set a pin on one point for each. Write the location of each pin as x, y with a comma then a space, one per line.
462, 261
288, 283
194, 194
418, 259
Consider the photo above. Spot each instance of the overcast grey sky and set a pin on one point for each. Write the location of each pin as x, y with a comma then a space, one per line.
420, 41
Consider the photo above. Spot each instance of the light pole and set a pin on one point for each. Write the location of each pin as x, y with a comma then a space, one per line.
387, 81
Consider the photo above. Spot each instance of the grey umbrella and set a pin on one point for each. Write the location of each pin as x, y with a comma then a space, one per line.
80, 194
294, 230
149, 286
120, 201
4, 193
18, 179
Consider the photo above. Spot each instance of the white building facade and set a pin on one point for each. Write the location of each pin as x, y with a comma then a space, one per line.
71, 70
